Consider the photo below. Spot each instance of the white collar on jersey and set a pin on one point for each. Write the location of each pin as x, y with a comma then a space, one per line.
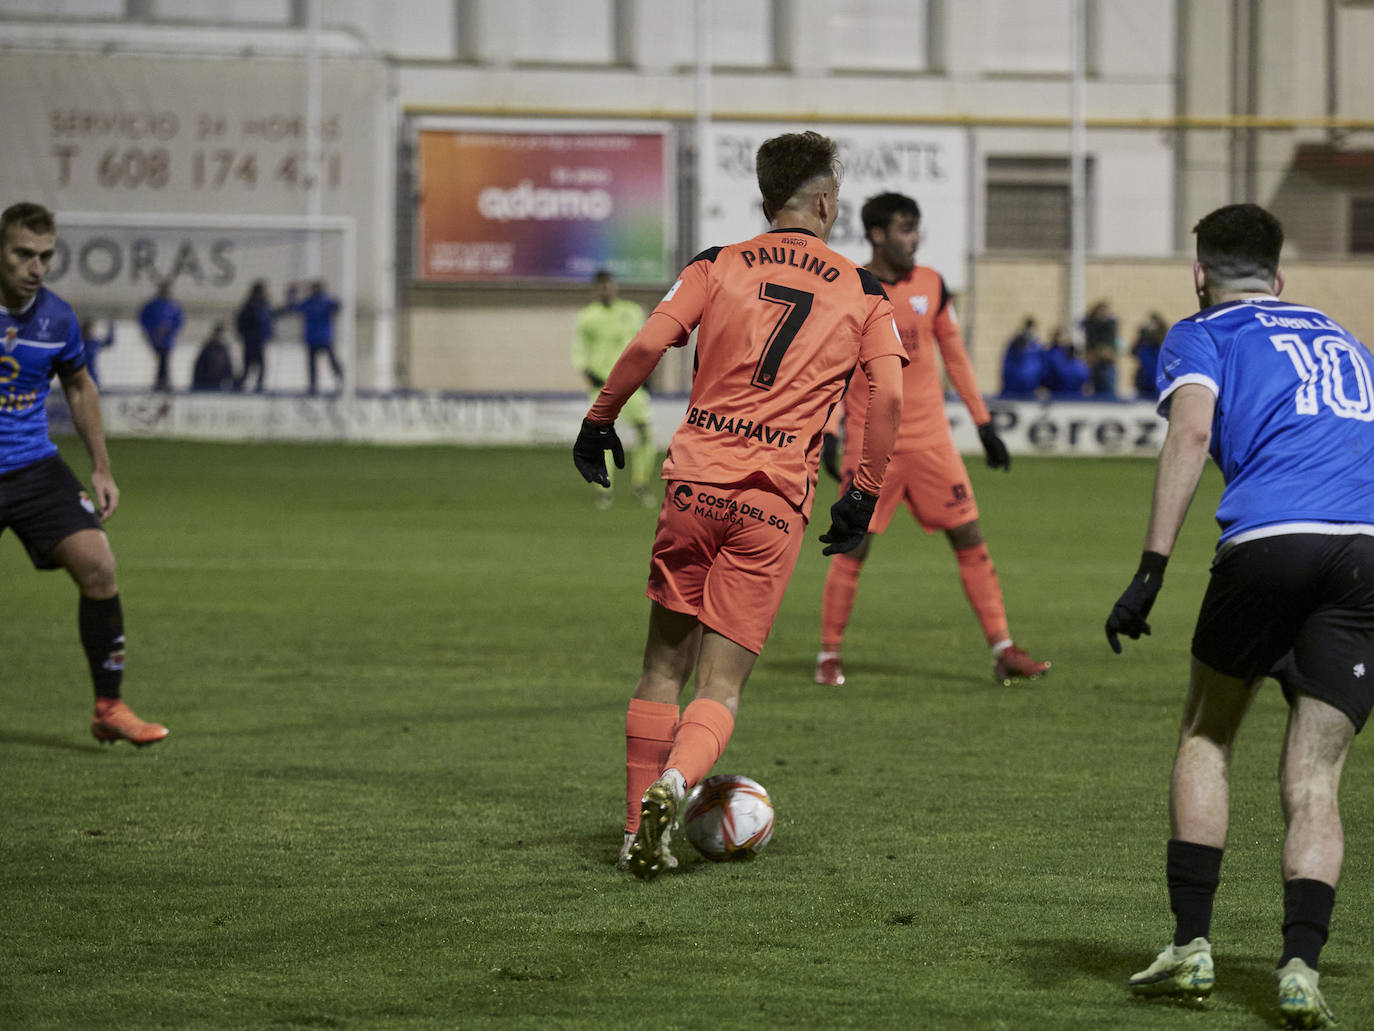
15, 314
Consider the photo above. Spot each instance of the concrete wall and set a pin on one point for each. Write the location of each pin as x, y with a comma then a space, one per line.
511, 340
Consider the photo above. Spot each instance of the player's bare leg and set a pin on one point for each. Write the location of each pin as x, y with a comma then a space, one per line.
1314, 752
1199, 791
88, 560
1199, 810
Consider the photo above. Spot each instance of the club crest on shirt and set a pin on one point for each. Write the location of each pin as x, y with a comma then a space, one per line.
11, 335
920, 304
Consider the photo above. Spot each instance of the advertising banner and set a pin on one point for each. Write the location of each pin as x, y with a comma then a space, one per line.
527, 204
219, 142
930, 165
1070, 429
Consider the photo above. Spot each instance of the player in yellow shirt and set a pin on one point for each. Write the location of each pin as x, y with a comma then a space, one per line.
604, 327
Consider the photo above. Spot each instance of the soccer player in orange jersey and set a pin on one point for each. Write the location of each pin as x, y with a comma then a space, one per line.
783, 322
926, 474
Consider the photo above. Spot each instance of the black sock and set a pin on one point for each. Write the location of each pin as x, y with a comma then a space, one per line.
102, 636
1307, 908
1193, 872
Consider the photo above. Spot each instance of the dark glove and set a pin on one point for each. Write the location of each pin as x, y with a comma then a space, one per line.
849, 518
998, 456
1129, 612
830, 454
589, 453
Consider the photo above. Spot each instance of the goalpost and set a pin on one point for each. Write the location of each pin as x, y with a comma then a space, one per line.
108, 265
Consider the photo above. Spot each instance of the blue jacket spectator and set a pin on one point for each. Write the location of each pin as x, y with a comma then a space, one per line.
1023, 365
317, 311
162, 319
1066, 373
1146, 350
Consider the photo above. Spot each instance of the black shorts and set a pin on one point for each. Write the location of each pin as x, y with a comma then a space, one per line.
1300, 608
45, 504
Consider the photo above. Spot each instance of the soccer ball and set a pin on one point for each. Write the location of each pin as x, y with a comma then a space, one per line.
728, 817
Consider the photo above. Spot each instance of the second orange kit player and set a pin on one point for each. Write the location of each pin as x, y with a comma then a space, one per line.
782, 323
927, 473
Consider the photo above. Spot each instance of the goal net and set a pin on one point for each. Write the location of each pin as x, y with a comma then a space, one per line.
108, 266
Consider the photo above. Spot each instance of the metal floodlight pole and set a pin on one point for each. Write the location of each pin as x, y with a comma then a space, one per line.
1078, 234
702, 97
701, 128
314, 199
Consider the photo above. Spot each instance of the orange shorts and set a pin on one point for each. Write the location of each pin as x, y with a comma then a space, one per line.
934, 485
725, 556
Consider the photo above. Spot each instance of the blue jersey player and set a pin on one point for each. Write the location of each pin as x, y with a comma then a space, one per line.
1283, 398
41, 500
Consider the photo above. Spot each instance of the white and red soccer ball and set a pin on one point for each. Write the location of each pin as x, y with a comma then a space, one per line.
728, 817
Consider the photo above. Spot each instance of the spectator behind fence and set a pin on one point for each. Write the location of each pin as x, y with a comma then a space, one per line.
317, 311
253, 323
1023, 365
214, 369
95, 343
1101, 372
1100, 348
1066, 373
162, 319
1146, 351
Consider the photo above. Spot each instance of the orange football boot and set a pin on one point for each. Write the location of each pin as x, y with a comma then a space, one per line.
114, 721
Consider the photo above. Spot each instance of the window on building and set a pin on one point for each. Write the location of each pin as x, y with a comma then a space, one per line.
216, 12
880, 35
1030, 36
743, 33
64, 10
1029, 203
570, 31
1362, 225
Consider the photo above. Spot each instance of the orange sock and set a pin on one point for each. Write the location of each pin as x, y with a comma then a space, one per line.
649, 730
837, 599
984, 592
700, 739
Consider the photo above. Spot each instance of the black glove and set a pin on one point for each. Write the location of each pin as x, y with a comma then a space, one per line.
998, 456
849, 518
589, 453
1129, 612
830, 454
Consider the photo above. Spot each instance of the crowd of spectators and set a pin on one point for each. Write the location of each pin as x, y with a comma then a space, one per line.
1057, 368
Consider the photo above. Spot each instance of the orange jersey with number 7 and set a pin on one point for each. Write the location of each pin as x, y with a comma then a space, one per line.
783, 322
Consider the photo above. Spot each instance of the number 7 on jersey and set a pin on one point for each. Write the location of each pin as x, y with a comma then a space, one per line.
797, 306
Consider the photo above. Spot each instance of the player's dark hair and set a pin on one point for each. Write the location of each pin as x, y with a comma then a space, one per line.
878, 212
33, 217
1239, 242
786, 163
603, 275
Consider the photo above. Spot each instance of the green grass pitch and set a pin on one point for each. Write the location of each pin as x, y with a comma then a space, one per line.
396, 681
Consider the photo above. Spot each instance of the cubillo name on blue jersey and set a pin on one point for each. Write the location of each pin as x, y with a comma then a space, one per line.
1293, 433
